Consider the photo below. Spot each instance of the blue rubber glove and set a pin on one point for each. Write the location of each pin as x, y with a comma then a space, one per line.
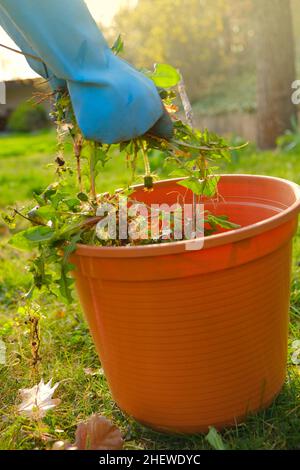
112, 101
39, 67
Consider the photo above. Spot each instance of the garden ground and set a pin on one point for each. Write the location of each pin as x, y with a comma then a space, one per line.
67, 351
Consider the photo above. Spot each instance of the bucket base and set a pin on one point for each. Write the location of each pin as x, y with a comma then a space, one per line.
204, 429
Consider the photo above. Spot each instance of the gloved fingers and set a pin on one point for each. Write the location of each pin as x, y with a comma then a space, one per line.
163, 127
126, 106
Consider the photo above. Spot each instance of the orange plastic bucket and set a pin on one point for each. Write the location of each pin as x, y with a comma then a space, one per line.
191, 339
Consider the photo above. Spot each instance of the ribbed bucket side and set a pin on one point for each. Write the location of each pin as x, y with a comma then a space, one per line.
187, 353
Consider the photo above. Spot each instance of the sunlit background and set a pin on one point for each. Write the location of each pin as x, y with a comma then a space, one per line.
12, 67
219, 47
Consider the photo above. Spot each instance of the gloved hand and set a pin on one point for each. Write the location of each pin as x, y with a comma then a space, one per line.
112, 101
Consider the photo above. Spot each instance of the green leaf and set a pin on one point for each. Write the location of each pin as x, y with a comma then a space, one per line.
19, 241
59, 197
118, 45
222, 221
71, 246
164, 76
38, 199
72, 203
210, 186
50, 191
181, 172
31, 237
46, 212
83, 197
102, 156
39, 234
193, 184
65, 284
215, 439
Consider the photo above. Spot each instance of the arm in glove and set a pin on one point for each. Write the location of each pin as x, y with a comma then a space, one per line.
37, 65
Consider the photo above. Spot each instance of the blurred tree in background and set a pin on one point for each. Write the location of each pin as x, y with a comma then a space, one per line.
275, 69
207, 40
214, 44
295, 8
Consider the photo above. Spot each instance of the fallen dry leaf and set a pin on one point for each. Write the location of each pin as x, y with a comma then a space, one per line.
98, 433
36, 401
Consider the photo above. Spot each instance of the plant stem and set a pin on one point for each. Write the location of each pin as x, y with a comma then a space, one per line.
190, 120
77, 153
92, 169
31, 56
35, 341
33, 222
186, 103
146, 160
133, 162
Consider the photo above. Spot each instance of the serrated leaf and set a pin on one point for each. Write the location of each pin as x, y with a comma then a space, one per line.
71, 246
65, 282
101, 156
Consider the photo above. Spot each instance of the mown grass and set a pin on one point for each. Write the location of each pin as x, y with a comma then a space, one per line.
67, 348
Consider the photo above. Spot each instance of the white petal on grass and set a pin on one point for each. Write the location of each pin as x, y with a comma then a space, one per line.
36, 401
296, 357
296, 344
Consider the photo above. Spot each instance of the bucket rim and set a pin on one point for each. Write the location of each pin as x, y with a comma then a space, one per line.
211, 241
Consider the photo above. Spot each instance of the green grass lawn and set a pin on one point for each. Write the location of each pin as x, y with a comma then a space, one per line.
66, 346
